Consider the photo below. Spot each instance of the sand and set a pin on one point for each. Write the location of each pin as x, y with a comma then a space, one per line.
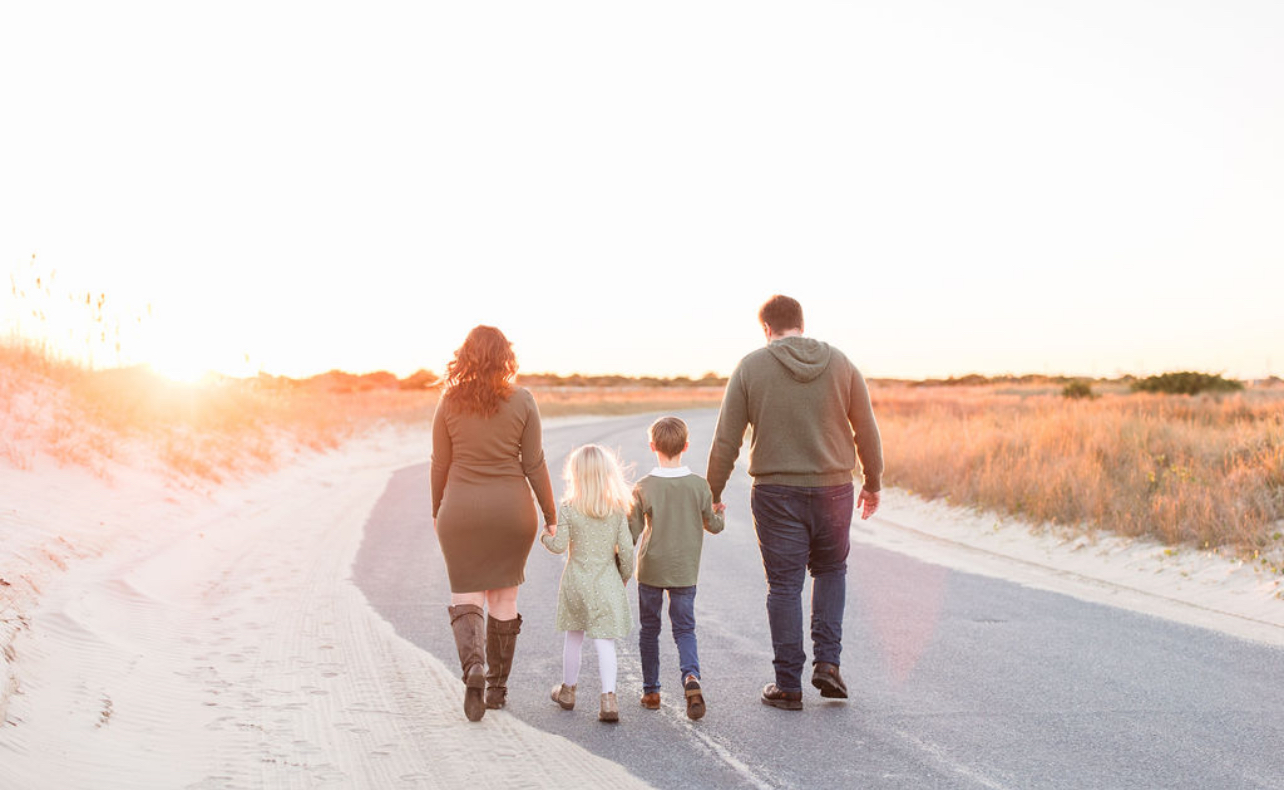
167, 638
162, 636
1201, 588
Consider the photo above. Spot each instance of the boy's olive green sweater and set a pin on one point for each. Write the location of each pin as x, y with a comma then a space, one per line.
810, 412
672, 508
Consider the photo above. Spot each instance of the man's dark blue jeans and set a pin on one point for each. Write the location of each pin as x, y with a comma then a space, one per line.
799, 530
681, 620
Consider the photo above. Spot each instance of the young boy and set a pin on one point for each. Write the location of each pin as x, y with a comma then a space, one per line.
671, 510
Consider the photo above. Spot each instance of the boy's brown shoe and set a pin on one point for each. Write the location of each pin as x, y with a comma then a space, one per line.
695, 699
785, 700
651, 700
826, 678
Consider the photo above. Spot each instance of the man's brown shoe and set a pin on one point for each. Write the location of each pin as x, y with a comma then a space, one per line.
826, 678
651, 701
785, 700
695, 699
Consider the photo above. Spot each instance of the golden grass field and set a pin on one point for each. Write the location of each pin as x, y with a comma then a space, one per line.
1201, 470
1205, 471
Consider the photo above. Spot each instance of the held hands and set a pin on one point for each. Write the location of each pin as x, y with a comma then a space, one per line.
868, 502
551, 529
719, 507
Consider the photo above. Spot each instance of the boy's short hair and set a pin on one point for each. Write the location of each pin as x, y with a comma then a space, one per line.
669, 435
781, 314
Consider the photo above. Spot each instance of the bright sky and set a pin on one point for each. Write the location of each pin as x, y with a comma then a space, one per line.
1087, 186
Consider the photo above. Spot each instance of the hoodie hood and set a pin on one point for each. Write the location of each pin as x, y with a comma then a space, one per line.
805, 358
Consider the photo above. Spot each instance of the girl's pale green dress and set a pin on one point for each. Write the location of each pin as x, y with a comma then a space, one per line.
591, 597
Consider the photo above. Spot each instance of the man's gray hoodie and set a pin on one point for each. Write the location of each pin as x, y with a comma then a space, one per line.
810, 412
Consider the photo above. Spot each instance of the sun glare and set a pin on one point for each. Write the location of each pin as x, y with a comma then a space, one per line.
180, 371
181, 355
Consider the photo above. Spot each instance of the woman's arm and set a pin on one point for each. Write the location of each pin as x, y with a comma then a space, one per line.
442, 450
533, 465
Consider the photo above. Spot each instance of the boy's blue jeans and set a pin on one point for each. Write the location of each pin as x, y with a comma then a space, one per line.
804, 529
681, 621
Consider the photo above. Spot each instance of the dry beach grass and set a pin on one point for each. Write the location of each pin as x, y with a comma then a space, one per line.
200, 431
1206, 471
226, 427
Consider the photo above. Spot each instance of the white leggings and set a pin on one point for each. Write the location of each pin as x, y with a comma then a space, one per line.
605, 660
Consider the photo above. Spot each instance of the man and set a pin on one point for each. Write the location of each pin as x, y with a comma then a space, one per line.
810, 413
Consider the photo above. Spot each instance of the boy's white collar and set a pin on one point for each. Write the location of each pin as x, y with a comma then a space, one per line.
670, 471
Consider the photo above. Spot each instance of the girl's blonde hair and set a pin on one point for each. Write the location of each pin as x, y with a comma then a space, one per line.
595, 483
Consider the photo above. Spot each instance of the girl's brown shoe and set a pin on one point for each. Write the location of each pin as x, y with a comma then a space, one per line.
564, 696
610, 711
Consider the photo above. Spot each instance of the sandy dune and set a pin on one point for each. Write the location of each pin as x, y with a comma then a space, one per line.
224, 647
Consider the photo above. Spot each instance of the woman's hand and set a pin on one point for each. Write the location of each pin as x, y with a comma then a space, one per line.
551, 529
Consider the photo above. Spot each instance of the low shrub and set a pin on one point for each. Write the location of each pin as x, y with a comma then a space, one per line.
1078, 389
1186, 382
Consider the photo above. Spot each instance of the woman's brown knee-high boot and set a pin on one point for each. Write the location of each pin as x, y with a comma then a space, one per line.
470, 638
501, 639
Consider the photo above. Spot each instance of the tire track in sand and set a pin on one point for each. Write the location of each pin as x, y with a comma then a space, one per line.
241, 656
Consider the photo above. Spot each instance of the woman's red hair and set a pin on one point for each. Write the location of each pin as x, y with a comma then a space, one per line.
480, 377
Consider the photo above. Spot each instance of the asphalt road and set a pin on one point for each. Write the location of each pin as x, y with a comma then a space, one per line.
957, 681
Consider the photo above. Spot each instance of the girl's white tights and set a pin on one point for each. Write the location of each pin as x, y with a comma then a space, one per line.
605, 660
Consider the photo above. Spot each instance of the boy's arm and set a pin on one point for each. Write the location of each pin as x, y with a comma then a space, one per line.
637, 513
714, 522
729, 434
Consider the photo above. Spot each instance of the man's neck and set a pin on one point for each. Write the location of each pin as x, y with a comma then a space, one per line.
773, 335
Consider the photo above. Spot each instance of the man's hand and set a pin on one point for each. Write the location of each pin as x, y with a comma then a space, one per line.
719, 507
551, 529
868, 502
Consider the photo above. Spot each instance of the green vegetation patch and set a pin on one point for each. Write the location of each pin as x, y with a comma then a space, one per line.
1186, 382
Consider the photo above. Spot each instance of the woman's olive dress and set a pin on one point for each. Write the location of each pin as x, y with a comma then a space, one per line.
483, 472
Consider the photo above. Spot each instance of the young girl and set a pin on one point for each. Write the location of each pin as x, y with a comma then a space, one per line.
593, 522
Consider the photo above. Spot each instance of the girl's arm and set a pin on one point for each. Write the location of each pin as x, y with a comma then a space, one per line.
624, 546
558, 543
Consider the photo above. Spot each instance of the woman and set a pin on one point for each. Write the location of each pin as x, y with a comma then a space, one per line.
487, 456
